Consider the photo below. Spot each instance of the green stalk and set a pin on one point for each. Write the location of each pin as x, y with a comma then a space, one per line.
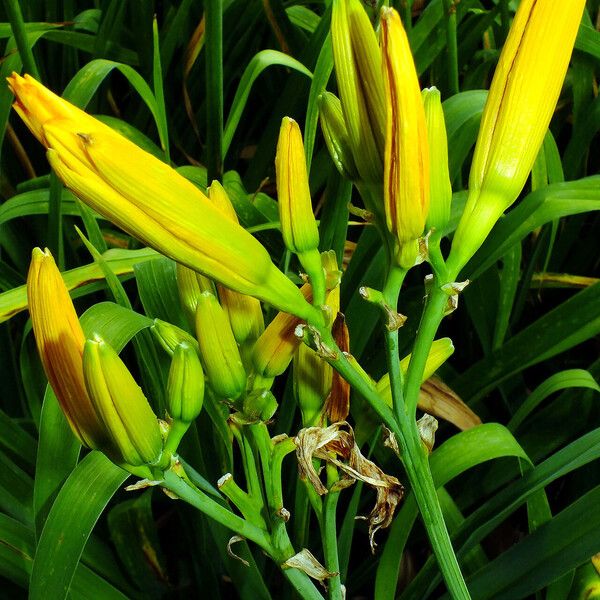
213, 11
17, 25
192, 495
430, 321
391, 292
415, 461
452, 45
329, 535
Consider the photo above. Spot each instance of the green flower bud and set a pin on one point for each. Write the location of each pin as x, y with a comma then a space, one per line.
439, 176
218, 349
185, 386
190, 285
130, 423
259, 405
336, 135
170, 336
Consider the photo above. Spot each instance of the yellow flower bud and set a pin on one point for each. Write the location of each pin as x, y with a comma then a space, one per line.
336, 135
358, 72
275, 348
218, 349
520, 104
185, 386
127, 417
312, 384
60, 341
298, 224
190, 285
406, 165
149, 199
439, 176
244, 312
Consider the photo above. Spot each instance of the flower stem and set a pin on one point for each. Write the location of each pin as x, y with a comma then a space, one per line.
329, 535
451, 43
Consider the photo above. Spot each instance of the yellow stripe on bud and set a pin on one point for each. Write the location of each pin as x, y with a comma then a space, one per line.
520, 105
127, 417
335, 133
244, 312
60, 341
218, 349
439, 176
149, 199
358, 72
406, 165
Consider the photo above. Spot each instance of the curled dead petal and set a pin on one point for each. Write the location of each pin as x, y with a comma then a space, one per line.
427, 426
142, 484
306, 562
336, 445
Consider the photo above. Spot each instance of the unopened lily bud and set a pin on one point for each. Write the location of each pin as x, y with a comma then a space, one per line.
60, 341
149, 199
185, 386
312, 384
128, 419
244, 312
298, 224
335, 133
275, 348
190, 285
441, 350
259, 405
358, 72
170, 336
439, 176
521, 101
218, 349
406, 165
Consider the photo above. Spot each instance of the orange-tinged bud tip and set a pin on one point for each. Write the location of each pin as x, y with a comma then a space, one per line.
60, 342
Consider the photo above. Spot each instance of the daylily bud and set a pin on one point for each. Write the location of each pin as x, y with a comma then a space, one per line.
338, 402
298, 224
439, 176
218, 349
275, 348
185, 386
244, 312
336, 135
259, 405
520, 104
358, 71
312, 384
406, 176
127, 417
60, 342
170, 336
149, 199
190, 285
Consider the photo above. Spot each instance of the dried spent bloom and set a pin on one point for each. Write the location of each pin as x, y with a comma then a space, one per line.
149, 199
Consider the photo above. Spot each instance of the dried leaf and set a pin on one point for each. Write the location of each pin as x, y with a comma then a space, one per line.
437, 399
233, 540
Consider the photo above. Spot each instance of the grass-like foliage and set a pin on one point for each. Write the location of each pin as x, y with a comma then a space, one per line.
325, 273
